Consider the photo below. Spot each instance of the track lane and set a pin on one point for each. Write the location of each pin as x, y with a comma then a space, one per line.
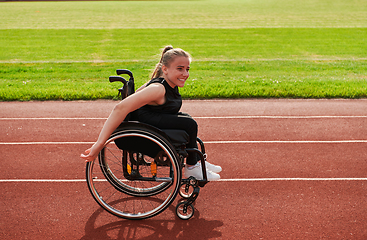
226, 107
256, 210
244, 161
217, 129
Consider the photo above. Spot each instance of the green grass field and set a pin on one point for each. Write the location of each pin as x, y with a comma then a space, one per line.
240, 48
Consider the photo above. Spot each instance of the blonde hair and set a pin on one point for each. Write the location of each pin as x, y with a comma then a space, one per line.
168, 55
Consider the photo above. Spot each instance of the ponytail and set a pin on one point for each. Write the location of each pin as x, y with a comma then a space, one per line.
168, 55
158, 68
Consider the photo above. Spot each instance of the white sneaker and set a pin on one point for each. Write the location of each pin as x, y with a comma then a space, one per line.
197, 173
212, 167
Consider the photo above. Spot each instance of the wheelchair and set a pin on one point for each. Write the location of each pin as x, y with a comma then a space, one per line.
138, 173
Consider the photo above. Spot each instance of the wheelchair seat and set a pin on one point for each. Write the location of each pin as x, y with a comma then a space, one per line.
178, 138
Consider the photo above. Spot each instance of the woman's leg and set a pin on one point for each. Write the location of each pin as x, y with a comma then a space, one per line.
182, 121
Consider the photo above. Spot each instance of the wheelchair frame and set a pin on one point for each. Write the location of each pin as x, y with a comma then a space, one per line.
138, 173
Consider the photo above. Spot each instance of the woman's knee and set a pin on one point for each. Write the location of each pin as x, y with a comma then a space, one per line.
191, 124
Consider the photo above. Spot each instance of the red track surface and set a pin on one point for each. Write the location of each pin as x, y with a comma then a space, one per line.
293, 169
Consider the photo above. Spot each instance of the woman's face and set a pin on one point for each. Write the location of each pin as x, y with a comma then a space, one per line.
178, 71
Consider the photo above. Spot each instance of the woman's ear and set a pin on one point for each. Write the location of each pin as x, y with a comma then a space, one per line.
164, 69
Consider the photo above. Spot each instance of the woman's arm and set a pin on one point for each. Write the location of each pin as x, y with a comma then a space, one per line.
153, 94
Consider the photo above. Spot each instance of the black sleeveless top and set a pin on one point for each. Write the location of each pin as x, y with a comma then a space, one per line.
152, 114
173, 101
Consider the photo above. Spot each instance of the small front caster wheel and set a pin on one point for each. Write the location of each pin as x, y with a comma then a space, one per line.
186, 191
183, 212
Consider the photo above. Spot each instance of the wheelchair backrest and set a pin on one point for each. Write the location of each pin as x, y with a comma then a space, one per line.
128, 87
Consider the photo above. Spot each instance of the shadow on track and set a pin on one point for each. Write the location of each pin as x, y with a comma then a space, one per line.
195, 228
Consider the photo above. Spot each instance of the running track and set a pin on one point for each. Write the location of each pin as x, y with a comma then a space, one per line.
293, 169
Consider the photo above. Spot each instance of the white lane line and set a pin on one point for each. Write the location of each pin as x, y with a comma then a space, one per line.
205, 142
41, 180
293, 142
290, 179
221, 180
278, 117
203, 117
44, 143
53, 118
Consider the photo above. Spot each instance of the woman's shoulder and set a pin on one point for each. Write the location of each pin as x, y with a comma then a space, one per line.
157, 80
161, 81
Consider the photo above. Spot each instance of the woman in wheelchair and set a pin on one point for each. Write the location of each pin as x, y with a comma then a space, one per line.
158, 103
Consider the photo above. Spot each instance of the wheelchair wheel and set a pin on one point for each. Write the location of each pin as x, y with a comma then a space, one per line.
186, 190
184, 213
131, 184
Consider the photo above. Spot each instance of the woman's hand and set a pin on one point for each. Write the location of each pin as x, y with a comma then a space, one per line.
91, 153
